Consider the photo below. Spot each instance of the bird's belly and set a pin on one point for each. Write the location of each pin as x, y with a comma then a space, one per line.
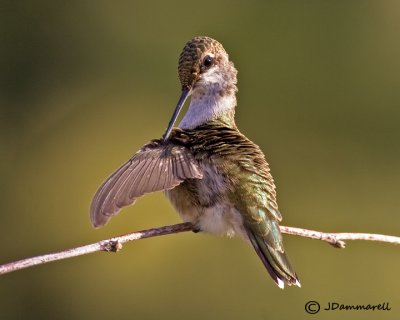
205, 203
221, 219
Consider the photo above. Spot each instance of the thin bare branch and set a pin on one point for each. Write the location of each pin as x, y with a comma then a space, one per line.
338, 239
109, 245
115, 244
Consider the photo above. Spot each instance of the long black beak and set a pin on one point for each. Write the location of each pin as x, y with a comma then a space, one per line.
181, 102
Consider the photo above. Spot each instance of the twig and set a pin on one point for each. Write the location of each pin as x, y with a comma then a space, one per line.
115, 244
109, 245
337, 239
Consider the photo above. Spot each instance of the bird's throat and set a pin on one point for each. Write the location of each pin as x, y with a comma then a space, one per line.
208, 106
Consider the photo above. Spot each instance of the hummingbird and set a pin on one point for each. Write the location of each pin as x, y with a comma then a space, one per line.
214, 176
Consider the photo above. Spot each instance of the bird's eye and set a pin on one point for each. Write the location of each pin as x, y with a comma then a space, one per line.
208, 61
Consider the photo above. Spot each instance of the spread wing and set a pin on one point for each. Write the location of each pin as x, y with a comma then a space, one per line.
154, 167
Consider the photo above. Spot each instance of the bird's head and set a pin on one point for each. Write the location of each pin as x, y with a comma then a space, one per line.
203, 68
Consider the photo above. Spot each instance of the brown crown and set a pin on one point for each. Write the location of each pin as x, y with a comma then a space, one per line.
191, 58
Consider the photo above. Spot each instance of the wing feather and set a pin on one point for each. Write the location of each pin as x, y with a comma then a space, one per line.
139, 181
155, 174
154, 167
103, 194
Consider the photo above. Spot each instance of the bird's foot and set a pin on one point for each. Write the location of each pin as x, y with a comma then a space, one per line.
196, 230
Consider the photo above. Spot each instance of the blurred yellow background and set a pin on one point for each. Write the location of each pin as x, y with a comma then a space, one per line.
85, 83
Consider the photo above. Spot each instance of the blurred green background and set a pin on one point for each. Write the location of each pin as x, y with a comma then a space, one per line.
85, 83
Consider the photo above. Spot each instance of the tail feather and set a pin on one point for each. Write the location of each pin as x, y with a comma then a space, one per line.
275, 261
